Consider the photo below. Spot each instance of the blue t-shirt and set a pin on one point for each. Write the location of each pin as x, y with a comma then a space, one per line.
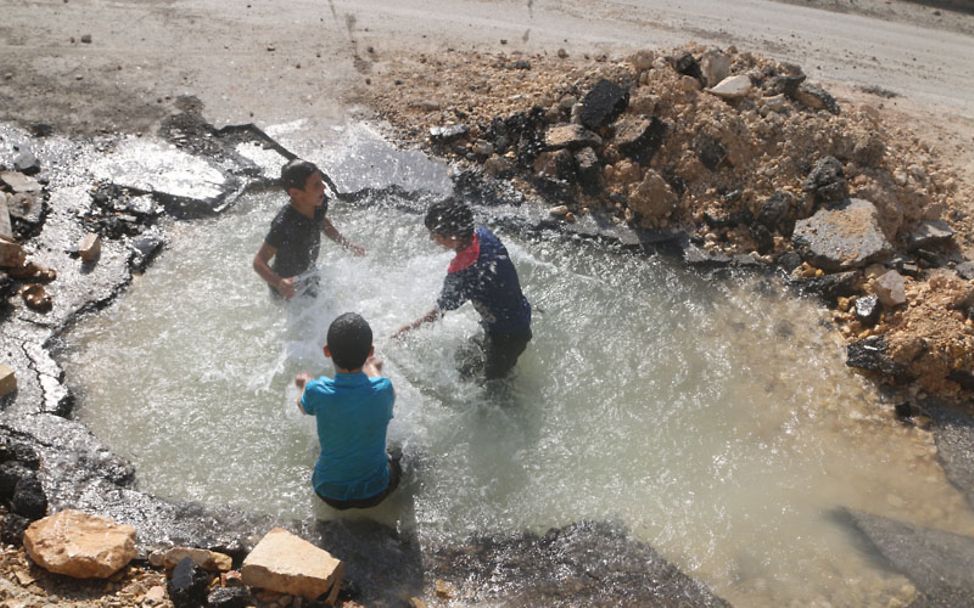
483, 273
352, 413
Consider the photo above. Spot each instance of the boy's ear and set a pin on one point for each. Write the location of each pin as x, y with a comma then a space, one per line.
327, 351
371, 351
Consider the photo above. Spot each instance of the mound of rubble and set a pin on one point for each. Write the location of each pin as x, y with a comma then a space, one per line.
730, 153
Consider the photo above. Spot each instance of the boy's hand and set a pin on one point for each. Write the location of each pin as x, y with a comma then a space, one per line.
373, 366
301, 379
286, 288
357, 250
402, 331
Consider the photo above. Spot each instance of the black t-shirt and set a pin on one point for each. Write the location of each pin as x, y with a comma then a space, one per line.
296, 238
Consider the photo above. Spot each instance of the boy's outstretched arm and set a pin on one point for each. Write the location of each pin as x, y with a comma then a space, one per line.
332, 233
299, 381
433, 314
373, 366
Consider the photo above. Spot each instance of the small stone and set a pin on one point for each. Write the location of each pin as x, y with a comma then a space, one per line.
929, 233
155, 594
966, 270
715, 67
559, 211
89, 249
815, 98
230, 597
562, 54
891, 289
208, 560
19, 182
444, 590
29, 499
188, 585
603, 104
86, 39
867, 310
570, 136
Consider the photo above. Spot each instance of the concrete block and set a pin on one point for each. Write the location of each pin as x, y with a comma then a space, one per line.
8, 380
90, 247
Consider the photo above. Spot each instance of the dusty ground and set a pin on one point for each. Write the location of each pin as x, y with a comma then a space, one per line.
267, 62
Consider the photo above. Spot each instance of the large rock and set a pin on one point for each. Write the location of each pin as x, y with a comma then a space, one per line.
603, 104
570, 136
938, 563
653, 198
80, 545
639, 138
715, 66
208, 560
285, 563
846, 237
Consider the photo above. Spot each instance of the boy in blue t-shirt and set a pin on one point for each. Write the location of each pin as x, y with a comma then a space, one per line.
352, 412
481, 272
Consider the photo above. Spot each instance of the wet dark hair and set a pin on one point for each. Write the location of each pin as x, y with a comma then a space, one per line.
349, 339
450, 217
295, 173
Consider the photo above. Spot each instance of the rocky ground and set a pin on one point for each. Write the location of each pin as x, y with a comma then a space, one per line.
735, 170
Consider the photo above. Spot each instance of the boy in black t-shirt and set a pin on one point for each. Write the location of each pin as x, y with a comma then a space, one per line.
294, 238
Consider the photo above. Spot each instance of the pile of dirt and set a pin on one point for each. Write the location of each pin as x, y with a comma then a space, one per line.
653, 142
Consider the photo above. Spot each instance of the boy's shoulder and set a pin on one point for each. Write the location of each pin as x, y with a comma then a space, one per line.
381, 383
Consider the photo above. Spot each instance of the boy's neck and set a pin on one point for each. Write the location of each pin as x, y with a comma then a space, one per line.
306, 210
341, 370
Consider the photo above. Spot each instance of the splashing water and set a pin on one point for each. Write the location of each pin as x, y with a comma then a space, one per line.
715, 419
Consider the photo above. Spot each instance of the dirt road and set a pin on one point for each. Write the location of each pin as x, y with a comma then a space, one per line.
269, 61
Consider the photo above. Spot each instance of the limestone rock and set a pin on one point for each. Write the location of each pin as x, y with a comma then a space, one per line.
8, 380
284, 563
6, 228
570, 136
966, 270
733, 87
589, 170
208, 560
653, 198
448, 134
18, 182
90, 247
715, 67
846, 237
80, 545
890, 289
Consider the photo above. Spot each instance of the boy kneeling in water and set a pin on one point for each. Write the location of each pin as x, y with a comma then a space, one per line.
483, 273
352, 412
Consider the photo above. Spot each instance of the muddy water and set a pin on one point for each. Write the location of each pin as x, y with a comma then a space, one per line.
715, 419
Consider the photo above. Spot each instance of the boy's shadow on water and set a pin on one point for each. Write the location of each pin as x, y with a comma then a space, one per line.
379, 546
